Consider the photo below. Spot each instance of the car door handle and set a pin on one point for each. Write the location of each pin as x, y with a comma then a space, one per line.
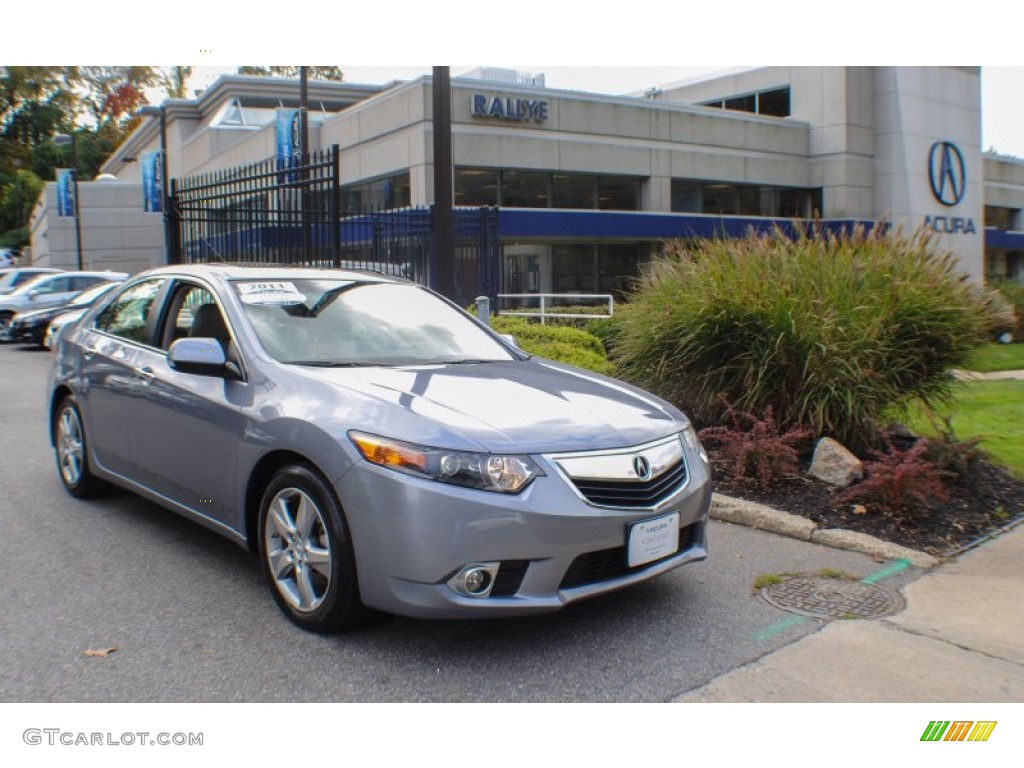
145, 373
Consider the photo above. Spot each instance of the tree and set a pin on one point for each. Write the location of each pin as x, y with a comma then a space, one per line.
333, 74
174, 81
114, 94
35, 104
16, 202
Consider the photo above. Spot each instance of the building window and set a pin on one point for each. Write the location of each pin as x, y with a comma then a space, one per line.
1001, 218
742, 103
574, 268
476, 186
727, 199
595, 268
617, 193
573, 190
537, 189
389, 192
525, 189
774, 102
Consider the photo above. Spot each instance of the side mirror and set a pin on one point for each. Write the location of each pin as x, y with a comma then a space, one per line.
510, 339
32, 294
202, 357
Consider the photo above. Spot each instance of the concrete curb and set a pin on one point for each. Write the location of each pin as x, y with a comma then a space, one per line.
766, 518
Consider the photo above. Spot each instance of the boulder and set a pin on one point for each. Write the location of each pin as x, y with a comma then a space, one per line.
834, 464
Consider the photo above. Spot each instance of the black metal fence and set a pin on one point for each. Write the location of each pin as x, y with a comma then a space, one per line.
266, 213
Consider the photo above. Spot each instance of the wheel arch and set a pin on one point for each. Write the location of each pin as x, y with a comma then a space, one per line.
61, 392
260, 477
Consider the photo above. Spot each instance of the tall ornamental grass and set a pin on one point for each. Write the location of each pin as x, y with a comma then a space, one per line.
825, 330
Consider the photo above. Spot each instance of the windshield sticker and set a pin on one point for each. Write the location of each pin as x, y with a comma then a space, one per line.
270, 293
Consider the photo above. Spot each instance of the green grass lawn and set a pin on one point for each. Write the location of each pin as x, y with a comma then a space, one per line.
992, 411
998, 357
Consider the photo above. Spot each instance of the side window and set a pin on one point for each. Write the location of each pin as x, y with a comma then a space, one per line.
127, 315
196, 313
57, 285
80, 283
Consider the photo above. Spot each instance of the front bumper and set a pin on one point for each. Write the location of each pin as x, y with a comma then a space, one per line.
412, 535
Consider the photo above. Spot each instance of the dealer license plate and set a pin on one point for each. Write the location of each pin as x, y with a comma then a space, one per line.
651, 540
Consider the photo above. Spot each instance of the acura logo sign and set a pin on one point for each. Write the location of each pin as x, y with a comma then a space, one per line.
642, 467
947, 173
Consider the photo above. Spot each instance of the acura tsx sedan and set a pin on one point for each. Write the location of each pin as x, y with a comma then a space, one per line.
374, 444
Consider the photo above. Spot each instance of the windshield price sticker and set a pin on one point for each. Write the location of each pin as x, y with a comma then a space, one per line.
271, 293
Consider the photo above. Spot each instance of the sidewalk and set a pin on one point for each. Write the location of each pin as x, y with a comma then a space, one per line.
995, 375
960, 639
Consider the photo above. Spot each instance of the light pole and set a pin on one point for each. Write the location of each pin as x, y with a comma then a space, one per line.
63, 140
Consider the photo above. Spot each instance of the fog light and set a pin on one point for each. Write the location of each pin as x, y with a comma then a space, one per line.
475, 579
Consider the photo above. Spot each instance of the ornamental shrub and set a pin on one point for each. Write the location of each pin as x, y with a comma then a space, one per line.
562, 343
826, 330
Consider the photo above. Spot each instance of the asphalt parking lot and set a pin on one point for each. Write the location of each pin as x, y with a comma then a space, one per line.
192, 619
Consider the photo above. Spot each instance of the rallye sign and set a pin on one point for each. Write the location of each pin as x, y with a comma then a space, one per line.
509, 108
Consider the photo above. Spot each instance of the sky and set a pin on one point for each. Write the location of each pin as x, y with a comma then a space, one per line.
584, 45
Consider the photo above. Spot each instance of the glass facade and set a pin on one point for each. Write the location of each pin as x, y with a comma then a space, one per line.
1002, 218
390, 192
728, 199
540, 189
595, 268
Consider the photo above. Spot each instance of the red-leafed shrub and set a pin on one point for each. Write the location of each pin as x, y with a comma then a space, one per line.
748, 449
901, 481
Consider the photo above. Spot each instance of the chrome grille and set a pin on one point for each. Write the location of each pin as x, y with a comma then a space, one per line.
619, 493
637, 477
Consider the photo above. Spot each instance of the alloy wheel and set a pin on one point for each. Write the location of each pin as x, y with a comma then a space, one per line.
297, 549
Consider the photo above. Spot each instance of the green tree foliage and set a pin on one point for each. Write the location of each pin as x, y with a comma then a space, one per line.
333, 74
96, 104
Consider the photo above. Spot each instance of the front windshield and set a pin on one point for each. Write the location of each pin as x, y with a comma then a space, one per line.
349, 323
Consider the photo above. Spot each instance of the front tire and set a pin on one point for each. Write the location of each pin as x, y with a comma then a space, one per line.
306, 552
72, 453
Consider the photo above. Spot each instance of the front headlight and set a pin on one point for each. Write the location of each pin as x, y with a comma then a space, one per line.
484, 471
693, 442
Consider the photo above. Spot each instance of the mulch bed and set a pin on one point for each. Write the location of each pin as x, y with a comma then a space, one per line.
988, 500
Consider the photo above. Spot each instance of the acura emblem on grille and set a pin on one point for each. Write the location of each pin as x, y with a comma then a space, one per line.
642, 467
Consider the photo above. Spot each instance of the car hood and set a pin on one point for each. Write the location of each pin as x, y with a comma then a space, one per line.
526, 406
40, 314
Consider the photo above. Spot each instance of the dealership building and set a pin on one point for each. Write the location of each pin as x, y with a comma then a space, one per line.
589, 186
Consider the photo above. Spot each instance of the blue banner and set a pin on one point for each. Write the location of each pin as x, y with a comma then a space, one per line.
289, 139
66, 193
153, 181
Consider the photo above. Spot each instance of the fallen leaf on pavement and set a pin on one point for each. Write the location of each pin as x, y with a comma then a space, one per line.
99, 652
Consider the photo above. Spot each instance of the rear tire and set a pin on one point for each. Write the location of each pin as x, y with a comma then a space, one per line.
306, 552
72, 452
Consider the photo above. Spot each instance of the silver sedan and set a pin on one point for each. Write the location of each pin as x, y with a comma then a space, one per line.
377, 447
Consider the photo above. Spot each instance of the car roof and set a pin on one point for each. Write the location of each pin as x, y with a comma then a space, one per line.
278, 272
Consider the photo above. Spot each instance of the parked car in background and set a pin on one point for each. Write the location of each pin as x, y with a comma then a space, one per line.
33, 327
13, 277
377, 446
49, 291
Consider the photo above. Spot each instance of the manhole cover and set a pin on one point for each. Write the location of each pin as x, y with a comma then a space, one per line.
833, 598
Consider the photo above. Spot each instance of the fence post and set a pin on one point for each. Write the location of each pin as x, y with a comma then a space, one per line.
172, 226
334, 228
483, 309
